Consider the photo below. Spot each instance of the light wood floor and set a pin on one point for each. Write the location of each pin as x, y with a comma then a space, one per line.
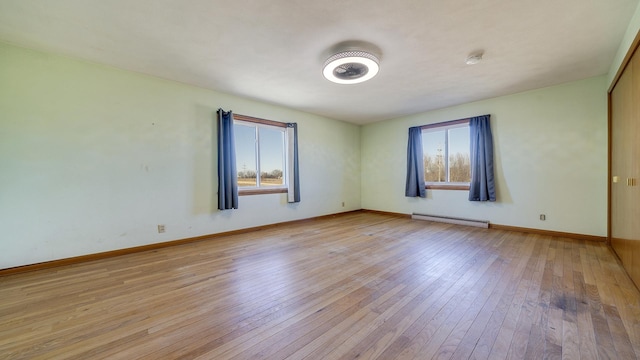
362, 285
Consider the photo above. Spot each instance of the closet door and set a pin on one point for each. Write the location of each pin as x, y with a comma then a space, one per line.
621, 113
632, 188
625, 168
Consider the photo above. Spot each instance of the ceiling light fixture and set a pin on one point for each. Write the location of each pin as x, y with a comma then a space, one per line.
351, 67
474, 59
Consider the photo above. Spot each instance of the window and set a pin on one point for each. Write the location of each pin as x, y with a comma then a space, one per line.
260, 155
446, 157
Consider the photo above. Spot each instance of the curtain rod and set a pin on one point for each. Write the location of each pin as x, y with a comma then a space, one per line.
450, 122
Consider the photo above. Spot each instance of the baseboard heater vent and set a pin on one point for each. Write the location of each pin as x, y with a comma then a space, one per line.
451, 220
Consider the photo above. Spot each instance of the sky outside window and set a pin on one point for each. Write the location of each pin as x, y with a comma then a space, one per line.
434, 143
271, 162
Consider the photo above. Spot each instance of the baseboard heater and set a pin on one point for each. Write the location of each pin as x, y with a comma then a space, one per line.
451, 220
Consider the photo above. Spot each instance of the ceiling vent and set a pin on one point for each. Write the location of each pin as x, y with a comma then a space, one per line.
474, 58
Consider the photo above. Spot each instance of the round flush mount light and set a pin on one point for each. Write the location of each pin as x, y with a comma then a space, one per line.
351, 67
474, 58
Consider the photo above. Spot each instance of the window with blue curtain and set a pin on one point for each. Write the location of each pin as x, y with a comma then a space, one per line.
456, 155
267, 157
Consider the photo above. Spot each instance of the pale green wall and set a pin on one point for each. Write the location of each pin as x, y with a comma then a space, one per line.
550, 156
625, 44
93, 158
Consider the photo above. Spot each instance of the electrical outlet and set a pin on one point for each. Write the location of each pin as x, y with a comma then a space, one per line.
543, 217
343, 204
160, 228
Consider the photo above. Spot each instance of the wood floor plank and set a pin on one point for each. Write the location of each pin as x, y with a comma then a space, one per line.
586, 334
629, 308
440, 287
383, 336
436, 330
417, 303
543, 338
474, 337
382, 267
360, 285
489, 335
530, 310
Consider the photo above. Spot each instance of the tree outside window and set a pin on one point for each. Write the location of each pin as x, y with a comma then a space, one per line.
260, 155
446, 154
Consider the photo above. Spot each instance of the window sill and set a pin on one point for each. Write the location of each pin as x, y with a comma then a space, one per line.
446, 187
247, 192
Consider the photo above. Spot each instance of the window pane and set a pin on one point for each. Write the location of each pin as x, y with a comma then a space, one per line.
459, 159
271, 157
433, 149
245, 137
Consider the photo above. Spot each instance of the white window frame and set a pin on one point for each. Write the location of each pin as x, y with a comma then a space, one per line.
259, 188
446, 127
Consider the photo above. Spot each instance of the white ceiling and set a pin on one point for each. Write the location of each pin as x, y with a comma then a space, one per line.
273, 50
